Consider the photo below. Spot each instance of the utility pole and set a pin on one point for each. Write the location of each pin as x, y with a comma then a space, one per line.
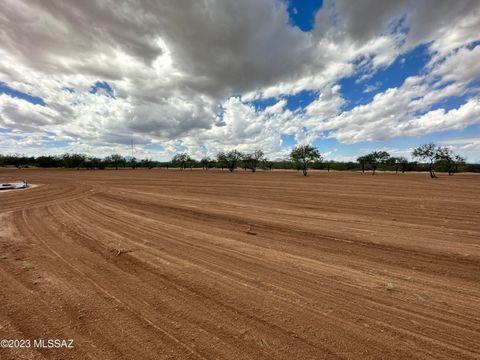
132, 146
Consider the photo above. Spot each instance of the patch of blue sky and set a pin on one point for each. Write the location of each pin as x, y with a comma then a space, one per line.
452, 102
302, 13
180, 147
156, 147
288, 140
220, 115
475, 83
102, 86
357, 92
339, 150
49, 140
15, 137
398, 25
471, 131
6, 89
473, 44
56, 143
326, 144
261, 104
203, 149
294, 102
300, 100
473, 89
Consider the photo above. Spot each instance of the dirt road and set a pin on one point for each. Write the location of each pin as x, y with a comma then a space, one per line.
157, 264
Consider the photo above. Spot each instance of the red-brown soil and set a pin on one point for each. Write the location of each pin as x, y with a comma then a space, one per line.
157, 264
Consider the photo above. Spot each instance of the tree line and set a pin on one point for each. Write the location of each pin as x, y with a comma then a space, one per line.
75, 161
429, 157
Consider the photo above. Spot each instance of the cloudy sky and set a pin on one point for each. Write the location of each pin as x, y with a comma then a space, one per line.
209, 75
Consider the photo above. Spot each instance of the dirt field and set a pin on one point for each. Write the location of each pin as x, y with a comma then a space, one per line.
156, 264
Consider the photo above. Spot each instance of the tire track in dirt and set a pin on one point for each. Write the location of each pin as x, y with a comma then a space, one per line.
124, 220
203, 296
102, 289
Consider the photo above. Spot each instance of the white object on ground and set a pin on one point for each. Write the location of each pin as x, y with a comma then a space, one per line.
13, 185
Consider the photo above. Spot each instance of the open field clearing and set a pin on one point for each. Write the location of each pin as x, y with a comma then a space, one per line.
156, 264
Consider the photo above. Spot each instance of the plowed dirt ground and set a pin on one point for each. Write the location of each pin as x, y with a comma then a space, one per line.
157, 264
